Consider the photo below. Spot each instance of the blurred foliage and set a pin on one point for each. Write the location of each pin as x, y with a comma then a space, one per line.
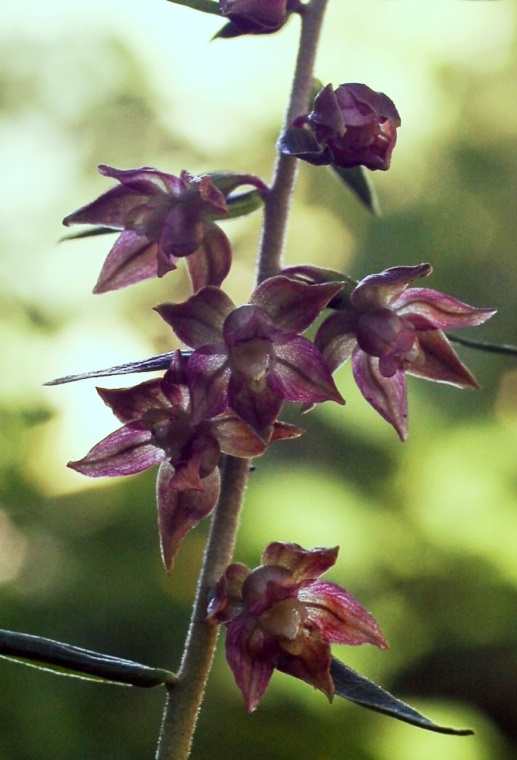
427, 529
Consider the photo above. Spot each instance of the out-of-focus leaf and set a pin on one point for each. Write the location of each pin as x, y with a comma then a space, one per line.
359, 182
350, 685
75, 660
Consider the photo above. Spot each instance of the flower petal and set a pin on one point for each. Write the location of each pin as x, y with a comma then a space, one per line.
129, 404
301, 374
250, 658
336, 338
259, 409
236, 438
124, 452
180, 511
311, 665
379, 290
442, 364
209, 374
109, 210
339, 616
132, 259
304, 564
387, 395
211, 262
427, 309
291, 304
198, 320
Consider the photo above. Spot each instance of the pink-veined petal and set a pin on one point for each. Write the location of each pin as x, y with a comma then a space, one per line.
236, 438
301, 374
259, 409
380, 290
180, 511
133, 258
109, 210
387, 395
427, 309
130, 404
304, 564
211, 262
311, 665
198, 320
339, 616
124, 452
250, 659
442, 364
292, 305
209, 374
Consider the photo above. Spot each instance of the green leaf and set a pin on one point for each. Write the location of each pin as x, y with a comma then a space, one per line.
245, 203
207, 6
350, 685
66, 657
358, 180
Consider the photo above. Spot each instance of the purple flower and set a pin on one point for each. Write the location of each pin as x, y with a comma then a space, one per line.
391, 330
252, 358
163, 218
255, 16
281, 615
159, 429
350, 126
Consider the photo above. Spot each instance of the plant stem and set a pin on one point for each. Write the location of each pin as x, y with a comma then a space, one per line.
185, 696
278, 199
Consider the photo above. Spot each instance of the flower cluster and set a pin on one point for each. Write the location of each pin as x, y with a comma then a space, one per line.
163, 218
390, 331
282, 616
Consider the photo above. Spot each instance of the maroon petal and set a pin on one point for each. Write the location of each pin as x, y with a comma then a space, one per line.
180, 232
312, 665
379, 290
124, 452
283, 431
441, 364
109, 210
199, 320
133, 258
336, 338
258, 409
250, 660
130, 404
180, 511
387, 395
225, 602
427, 309
304, 564
236, 438
339, 616
209, 374
293, 305
146, 181
301, 374
211, 262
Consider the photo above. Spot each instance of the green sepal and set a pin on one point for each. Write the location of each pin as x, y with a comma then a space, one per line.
243, 204
66, 659
206, 6
358, 180
350, 685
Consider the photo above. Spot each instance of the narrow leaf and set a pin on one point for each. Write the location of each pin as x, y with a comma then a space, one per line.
359, 182
350, 685
161, 361
77, 660
207, 6
89, 233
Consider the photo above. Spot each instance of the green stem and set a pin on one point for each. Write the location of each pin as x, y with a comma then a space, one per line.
185, 696
278, 199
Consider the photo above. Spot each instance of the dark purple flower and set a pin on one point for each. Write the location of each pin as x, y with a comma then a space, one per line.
163, 218
255, 16
391, 330
158, 429
252, 358
281, 615
349, 126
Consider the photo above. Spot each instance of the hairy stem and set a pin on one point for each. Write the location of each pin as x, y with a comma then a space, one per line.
185, 696
278, 200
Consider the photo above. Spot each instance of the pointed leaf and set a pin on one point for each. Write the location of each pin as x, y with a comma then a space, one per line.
160, 361
103, 666
207, 6
350, 685
359, 182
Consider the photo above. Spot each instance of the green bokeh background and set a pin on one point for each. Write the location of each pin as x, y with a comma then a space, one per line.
427, 529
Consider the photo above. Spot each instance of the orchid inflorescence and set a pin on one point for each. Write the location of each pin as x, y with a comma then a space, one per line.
222, 395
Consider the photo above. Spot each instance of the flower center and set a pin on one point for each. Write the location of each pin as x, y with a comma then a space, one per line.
284, 619
382, 333
251, 359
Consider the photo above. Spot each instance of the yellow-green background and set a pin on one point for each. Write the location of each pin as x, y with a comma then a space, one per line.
427, 529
